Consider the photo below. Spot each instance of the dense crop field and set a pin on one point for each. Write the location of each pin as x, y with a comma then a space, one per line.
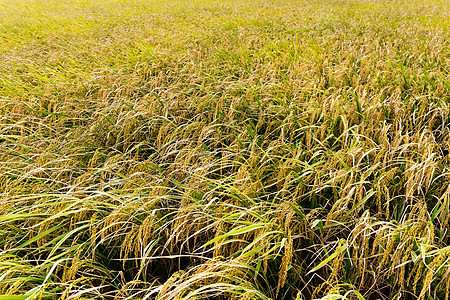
238, 149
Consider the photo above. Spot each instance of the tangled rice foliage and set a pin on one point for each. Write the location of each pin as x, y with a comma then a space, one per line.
224, 149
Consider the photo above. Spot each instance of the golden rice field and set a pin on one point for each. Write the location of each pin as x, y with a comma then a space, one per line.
200, 149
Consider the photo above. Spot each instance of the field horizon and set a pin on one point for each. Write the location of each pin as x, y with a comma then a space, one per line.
224, 149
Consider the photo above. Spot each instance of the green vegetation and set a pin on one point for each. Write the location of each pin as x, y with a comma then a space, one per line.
224, 149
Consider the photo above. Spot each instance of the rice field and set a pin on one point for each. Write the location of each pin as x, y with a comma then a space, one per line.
176, 149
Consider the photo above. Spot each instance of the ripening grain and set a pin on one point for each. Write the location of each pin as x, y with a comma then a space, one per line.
224, 149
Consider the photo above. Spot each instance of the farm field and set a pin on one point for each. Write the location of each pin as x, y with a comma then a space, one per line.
231, 149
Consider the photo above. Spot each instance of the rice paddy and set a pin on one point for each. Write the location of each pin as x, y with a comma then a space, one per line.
224, 149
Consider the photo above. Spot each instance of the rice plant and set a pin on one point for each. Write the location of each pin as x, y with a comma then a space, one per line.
224, 149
